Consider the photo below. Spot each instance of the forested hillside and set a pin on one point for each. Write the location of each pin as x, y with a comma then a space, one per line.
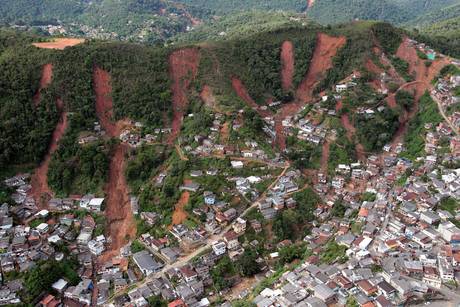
154, 21
394, 11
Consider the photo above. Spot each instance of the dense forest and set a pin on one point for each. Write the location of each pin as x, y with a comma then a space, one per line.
24, 129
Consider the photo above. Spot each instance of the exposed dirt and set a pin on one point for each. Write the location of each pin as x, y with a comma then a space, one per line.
120, 222
207, 97
179, 214
104, 103
242, 92
287, 64
47, 75
40, 191
326, 48
325, 156
60, 43
423, 77
225, 133
183, 68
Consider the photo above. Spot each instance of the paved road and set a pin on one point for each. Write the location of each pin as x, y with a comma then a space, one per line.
186, 259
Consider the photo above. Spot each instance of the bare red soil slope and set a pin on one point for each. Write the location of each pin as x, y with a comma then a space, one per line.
287, 65
41, 192
423, 77
59, 43
120, 221
183, 68
326, 48
47, 75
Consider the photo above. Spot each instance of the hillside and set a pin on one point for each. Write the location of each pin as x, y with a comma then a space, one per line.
154, 21
266, 131
394, 11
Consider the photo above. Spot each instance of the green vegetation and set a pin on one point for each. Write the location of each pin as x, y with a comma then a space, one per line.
397, 12
143, 163
414, 139
25, 130
402, 67
292, 224
137, 246
140, 81
247, 264
374, 132
293, 252
405, 99
41, 277
78, 169
338, 210
222, 272
333, 252
449, 204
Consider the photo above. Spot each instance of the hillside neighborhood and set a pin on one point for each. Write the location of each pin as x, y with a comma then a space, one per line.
335, 218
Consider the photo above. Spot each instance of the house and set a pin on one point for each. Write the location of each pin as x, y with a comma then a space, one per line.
430, 217
239, 226
231, 239
190, 187
209, 198
145, 262
325, 294
341, 88
237, 164
219, 248
60, 285
43, 228
95, 204
96, 247
170, 254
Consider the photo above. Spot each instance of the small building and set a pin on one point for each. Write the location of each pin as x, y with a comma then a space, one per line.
145, 262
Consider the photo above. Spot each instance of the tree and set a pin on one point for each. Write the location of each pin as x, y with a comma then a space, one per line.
247, 263
157, 301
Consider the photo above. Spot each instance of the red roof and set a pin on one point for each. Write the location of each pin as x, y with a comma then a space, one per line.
177, 303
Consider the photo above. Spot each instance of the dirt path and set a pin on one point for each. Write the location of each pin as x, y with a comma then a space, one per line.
121, 226
40, 191
287, 65
183, 68
225, 133
45, 81
325, 156
179, 214
60, 43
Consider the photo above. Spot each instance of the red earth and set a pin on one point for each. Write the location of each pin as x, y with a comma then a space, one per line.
120, 221
183, 68
40, 191
287, 65
326, 48
423, 77
59, 43
47, 75
325, 156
